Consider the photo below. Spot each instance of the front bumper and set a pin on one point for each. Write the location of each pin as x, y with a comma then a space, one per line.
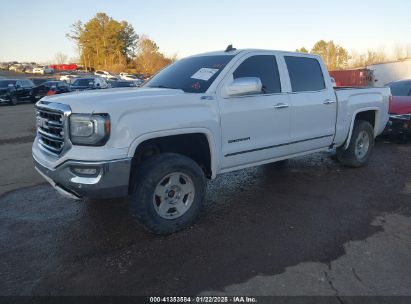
4, 98
110, 180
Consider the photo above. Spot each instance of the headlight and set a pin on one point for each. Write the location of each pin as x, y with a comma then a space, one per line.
89, 129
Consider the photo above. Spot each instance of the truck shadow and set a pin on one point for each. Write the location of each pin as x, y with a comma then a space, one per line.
256, 221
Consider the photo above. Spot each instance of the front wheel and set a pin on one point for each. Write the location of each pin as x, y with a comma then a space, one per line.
167, 193
360, 147
13, 100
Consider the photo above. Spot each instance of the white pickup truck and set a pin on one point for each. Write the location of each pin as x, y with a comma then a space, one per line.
200, 117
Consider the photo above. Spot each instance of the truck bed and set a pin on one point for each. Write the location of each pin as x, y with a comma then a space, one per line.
352, 100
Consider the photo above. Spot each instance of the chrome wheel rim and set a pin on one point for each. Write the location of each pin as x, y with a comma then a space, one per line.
173, 195
362, 145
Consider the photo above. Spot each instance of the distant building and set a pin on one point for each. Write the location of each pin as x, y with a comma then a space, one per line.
390, 71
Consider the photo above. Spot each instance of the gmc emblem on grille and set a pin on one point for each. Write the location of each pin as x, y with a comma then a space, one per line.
42, 123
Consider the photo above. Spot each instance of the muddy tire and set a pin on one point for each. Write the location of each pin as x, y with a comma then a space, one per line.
360, 147
167, 193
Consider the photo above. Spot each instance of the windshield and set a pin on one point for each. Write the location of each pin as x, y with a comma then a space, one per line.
83, 82
192, 75
401, 89
5, 83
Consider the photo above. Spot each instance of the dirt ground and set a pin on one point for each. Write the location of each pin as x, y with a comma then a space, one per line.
309, 227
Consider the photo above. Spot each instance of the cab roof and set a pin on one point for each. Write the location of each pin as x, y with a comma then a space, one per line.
235, 52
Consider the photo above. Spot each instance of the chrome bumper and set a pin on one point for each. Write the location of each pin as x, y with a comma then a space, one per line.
110, 180
400, 117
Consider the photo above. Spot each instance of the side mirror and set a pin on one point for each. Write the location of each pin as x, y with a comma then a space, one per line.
245, 86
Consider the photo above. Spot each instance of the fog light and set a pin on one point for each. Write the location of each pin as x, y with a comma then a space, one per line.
86, 171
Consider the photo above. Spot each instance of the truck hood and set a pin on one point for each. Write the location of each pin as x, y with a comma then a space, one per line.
104, 99
400, 105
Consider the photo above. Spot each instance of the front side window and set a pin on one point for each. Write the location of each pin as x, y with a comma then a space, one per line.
305, 74
192, 75
263, 67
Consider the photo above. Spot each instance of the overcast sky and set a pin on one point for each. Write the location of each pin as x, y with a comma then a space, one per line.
35, 30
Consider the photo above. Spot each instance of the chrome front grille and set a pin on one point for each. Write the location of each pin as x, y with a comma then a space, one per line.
51, 128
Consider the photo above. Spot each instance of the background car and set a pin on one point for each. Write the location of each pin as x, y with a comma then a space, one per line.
42, 70
103, 74
13, 67
89, 83
400, 109
50, 88
20, 69
112, 78
68, 78
13, 90
122, 84
125, 76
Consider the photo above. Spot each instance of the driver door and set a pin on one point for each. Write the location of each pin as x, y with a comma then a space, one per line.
255, 127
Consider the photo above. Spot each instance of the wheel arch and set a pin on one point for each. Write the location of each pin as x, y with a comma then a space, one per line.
370, 114
160, 135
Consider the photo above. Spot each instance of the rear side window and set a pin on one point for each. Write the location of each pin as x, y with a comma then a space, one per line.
305, 74
264, 67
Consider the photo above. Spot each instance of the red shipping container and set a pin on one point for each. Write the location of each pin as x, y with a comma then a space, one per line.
352, 78
64, 67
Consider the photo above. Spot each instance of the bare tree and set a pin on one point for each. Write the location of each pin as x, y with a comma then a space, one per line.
77, 28
399, 52
61, 58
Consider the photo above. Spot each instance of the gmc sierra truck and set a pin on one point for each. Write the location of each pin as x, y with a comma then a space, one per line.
199, 117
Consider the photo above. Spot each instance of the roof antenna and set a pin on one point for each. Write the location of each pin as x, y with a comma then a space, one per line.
230, 48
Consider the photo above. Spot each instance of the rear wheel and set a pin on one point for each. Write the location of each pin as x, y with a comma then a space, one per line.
360, 147
167, 193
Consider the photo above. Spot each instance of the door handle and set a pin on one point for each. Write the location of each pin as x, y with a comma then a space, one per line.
281, 106
328, 101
